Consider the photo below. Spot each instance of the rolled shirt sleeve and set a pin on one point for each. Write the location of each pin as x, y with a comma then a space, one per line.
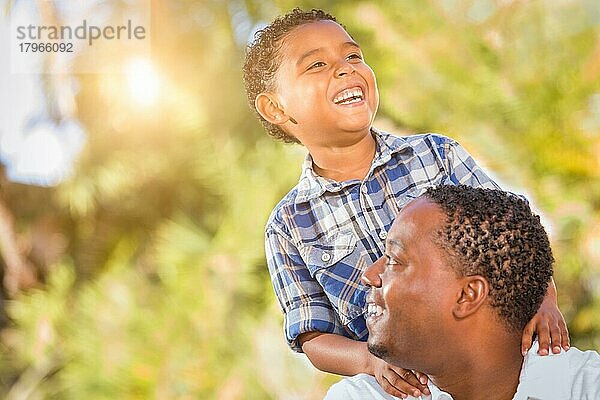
305, 306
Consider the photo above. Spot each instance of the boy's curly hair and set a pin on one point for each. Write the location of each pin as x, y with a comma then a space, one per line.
494, 234
263, 59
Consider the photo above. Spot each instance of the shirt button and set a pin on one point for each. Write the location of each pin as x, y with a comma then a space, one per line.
325, 257
364, 189
382, 235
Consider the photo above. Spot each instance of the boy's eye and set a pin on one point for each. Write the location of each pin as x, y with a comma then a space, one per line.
354, 56
316, 65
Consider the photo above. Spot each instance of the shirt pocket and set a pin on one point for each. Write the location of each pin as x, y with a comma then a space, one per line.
333, 262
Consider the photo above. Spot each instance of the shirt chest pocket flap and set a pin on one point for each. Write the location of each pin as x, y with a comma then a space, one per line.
331, 250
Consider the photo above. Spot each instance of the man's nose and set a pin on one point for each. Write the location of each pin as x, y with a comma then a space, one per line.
372, 275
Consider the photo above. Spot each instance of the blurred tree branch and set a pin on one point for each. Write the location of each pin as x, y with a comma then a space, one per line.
19, 272
31, 378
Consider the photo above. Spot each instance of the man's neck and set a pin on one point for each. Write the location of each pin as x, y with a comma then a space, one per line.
491, 374
344, 162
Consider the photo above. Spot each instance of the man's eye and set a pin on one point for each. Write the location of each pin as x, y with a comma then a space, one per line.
393, 262
317, 65
354, 56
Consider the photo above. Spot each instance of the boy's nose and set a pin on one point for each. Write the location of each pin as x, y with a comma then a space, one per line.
343, 68
372, 275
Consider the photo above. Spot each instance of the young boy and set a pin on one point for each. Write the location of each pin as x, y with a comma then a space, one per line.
308, 82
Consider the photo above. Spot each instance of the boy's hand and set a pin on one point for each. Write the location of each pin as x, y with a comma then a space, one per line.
551, 329
398, 381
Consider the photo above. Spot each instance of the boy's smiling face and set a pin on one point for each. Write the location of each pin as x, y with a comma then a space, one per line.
324, 84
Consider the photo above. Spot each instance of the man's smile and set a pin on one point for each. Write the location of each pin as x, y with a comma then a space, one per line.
373, 310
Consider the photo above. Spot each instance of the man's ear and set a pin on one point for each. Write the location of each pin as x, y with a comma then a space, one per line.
269, 108
473, 294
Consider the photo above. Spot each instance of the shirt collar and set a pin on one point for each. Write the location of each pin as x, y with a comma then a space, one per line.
312, 185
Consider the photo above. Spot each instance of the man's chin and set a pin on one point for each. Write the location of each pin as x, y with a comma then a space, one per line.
378, 350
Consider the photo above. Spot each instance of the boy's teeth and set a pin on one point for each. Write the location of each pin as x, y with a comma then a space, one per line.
349, 96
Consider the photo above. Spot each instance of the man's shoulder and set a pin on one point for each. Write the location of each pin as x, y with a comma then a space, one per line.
573, 359
583, 358
569, 374
585, 372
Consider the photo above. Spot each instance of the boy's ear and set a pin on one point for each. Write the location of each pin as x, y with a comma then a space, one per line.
269, 108
473, 294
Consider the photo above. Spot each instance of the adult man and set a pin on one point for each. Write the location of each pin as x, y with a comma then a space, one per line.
464, 270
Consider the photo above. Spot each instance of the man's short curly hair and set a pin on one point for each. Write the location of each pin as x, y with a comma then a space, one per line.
494, 234
263, 59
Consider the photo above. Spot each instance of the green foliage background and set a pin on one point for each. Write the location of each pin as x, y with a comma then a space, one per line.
161, 290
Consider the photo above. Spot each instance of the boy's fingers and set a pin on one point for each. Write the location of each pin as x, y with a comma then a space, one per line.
423, 378
391, 389
543, 332
555, 335
527, 338
566, 342
405, 380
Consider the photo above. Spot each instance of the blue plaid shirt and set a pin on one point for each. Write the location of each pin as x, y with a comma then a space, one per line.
324, 233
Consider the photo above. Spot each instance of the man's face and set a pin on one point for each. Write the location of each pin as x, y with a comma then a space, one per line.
412, 291
324, 84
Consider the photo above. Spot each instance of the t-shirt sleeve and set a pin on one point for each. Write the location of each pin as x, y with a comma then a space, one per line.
463, 170
305, 306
